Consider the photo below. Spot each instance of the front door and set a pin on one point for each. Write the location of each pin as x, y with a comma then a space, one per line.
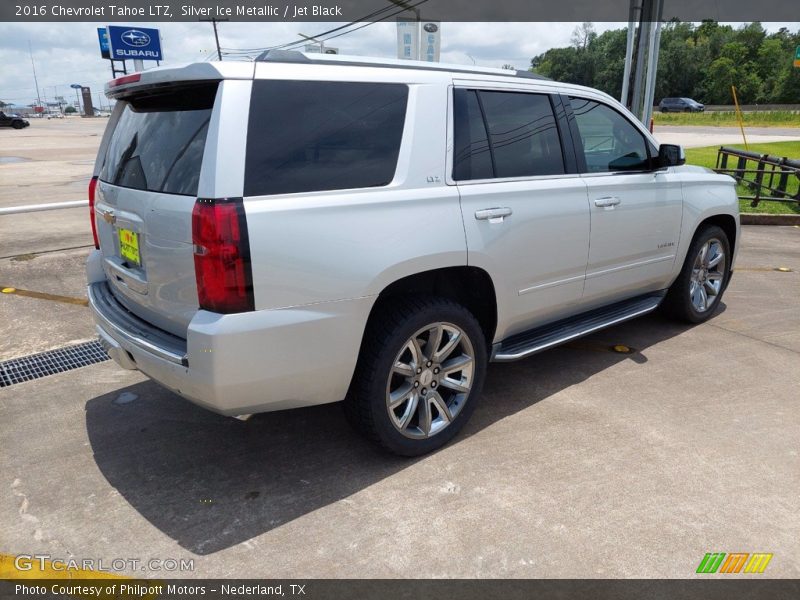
635, 210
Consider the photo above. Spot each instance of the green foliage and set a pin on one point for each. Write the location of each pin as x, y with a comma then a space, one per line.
70, 110
697, 61
727, 118
707, 157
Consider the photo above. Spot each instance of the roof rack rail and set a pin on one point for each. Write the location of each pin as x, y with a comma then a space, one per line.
294, 56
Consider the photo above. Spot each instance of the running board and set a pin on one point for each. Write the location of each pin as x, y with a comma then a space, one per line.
541, 338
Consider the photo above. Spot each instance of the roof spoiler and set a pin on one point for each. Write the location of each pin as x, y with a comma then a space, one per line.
284, 56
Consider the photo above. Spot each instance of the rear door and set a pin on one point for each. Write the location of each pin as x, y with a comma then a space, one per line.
524, 207
147, 189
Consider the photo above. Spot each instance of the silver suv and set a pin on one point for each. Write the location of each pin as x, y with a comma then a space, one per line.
304, 229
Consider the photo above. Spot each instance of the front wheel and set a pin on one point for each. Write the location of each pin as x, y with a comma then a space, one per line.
419, 373
696, 293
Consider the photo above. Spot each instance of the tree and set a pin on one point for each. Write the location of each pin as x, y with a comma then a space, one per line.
583, 35
70, 109
698, 61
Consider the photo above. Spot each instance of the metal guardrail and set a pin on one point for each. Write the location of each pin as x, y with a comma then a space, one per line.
762, 180
13, 210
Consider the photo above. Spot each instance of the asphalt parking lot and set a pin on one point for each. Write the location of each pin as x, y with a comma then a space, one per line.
579, 462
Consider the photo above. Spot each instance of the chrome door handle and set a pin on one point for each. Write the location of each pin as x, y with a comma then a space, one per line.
607, 201
493, 215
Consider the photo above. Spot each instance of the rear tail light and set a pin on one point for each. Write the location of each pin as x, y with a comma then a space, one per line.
92, 190
222, 256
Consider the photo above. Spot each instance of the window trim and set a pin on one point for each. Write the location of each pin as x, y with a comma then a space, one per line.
564, 144
578, 145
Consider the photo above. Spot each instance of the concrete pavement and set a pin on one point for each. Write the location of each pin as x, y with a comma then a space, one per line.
579, 462
697, 137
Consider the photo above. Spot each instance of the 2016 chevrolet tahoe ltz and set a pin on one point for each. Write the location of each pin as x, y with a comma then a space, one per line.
306, 229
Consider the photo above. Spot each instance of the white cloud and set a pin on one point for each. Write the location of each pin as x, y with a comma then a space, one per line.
66, 53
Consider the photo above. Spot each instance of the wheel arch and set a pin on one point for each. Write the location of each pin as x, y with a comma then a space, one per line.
725, 222
469, 286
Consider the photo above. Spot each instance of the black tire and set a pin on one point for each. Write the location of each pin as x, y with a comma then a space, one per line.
664, 110
17, 125
387, 333
678, 304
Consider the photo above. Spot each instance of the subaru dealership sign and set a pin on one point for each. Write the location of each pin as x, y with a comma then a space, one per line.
134, 43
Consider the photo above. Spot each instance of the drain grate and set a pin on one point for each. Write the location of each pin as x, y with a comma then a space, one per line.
51, 362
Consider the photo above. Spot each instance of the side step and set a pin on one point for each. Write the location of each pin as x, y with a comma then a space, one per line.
541, 338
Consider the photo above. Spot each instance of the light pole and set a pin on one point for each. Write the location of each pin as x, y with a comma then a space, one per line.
76, 87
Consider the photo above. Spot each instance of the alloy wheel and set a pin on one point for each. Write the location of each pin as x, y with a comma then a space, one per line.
430, 380
708, 274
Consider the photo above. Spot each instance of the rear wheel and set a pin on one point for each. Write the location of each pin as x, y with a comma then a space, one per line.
17, 125
696, 293
419, 373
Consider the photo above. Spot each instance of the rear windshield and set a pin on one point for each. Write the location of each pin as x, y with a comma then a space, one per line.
306, 136
159, 140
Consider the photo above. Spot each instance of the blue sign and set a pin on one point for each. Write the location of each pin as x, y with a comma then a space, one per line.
102, 35
134, 43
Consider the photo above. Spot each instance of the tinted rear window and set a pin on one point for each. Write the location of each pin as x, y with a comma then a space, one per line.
159, 140
505, 134
306, 136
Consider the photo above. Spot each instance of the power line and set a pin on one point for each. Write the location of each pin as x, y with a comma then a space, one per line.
250, 51
276, 47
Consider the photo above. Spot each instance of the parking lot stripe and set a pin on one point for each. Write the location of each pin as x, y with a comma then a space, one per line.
43, 296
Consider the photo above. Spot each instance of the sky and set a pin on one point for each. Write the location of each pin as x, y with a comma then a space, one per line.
67, 53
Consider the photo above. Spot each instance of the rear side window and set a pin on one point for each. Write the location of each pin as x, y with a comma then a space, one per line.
521, 131
471, 157
159, 140
306, 136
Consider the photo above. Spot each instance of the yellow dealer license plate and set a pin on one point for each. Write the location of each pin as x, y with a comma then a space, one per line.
129, 246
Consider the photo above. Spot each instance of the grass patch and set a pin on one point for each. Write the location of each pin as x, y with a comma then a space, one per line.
774, 118
707, 157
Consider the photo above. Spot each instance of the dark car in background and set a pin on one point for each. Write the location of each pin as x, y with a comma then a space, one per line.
12, 120
680, 105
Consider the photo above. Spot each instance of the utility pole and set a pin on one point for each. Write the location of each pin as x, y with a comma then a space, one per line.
35, 81
641, 57
214, 22
313, 39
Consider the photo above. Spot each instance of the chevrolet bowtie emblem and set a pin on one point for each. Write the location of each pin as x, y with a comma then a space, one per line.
109, 217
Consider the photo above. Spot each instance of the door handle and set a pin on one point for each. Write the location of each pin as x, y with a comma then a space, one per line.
493, 215
607, 201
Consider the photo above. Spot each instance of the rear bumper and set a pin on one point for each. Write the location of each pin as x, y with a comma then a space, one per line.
242, 363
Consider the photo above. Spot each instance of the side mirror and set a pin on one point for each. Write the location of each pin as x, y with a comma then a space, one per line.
671, 155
